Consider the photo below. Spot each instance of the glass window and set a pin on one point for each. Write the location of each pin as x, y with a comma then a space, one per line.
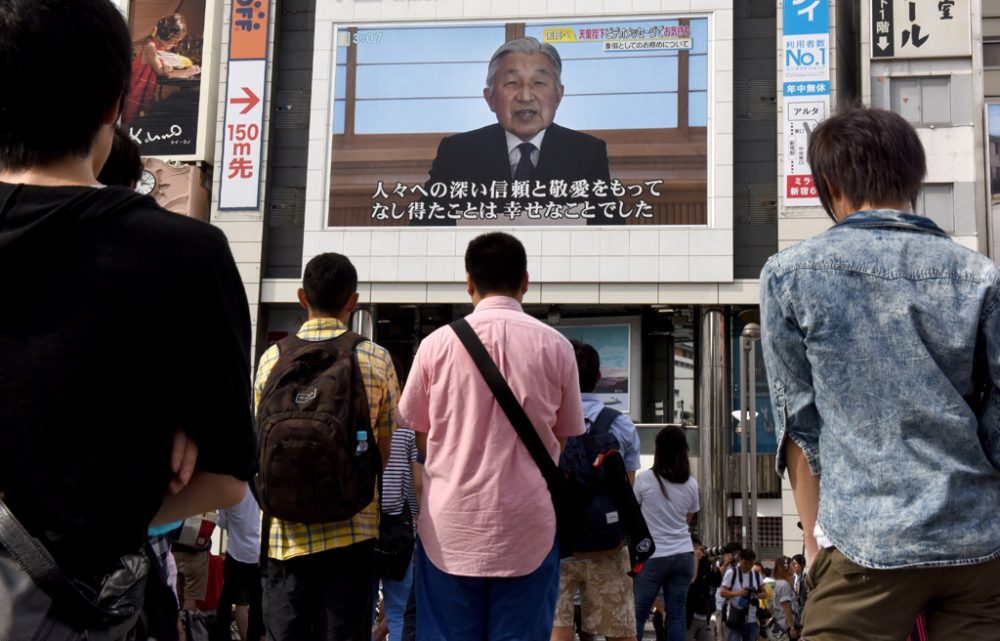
430, 44
417, 79
698, 109
421, 80
640, 111
991, 54
430, 79
605, 76
421, 115
339, 93
698, 72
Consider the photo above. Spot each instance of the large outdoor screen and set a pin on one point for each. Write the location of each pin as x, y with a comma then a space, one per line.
628, 143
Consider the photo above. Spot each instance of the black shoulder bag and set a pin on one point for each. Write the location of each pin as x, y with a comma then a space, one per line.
569, 498
38, 601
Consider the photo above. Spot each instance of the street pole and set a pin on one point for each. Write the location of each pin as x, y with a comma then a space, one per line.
744, 451
753, 329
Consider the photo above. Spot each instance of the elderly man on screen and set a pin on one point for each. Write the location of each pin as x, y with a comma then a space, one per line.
524, 89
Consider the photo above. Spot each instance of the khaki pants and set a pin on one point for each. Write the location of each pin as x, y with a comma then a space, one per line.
849, 602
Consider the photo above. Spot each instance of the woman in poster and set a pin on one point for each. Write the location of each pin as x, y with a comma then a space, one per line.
156, 59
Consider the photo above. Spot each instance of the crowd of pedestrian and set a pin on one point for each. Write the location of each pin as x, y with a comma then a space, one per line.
491, 495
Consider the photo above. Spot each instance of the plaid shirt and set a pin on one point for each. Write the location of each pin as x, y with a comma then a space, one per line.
288, 539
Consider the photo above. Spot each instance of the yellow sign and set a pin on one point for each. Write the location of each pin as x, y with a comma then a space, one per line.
560, 34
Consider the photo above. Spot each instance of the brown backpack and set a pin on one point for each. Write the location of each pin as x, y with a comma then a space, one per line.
318, 460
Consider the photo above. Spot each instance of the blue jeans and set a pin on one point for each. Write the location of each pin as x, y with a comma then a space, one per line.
394, 595
466, 608
672, 573
749, 633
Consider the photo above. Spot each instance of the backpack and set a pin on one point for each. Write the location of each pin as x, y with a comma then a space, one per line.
318, 460
582, 458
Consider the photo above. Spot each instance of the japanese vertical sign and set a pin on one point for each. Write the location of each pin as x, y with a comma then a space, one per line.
920, 29
806, 91
244, 120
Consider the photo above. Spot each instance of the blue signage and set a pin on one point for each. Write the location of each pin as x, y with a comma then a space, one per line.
804, 17
814, 88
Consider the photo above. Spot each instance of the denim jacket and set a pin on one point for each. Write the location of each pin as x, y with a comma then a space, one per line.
881, 338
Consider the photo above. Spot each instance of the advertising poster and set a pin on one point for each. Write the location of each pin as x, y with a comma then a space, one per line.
806, 92
419, 139
612, 344
162, 107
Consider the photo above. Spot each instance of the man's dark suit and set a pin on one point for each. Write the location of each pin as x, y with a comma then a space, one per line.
481, 157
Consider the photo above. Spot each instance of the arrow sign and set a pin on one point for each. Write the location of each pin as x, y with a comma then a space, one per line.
250, 101
883, 43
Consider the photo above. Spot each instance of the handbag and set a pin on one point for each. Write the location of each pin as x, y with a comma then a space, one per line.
38, 601
569, 497
734, 616
195, 532
394, 549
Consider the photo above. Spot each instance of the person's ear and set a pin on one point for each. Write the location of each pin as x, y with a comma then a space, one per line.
469, 287
110, 116
524, 284
303, 301
832, 189
352, 303
490, 99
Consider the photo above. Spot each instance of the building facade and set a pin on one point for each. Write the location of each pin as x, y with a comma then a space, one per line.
322, 120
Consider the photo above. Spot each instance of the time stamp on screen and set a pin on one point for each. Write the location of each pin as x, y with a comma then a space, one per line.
360, 38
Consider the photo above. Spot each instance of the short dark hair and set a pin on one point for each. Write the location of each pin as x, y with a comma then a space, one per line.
171, 27
496, 262
588, 363
124, 165
329, 281
746, 554
64, 64
869, 155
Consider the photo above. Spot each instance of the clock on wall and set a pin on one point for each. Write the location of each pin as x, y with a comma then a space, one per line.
147, 183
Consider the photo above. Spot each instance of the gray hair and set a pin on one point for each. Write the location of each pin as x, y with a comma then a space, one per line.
529, 46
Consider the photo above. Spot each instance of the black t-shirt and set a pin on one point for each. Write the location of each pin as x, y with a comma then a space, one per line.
119, 323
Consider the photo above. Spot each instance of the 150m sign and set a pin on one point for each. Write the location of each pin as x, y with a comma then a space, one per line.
242, 151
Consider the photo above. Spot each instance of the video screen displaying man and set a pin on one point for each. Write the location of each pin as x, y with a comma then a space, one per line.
616, 112
523, 88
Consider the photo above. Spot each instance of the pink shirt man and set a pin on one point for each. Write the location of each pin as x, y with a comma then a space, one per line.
488, 512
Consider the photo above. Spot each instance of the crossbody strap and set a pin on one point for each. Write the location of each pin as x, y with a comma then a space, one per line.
505, 397
603, 422
39, 565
